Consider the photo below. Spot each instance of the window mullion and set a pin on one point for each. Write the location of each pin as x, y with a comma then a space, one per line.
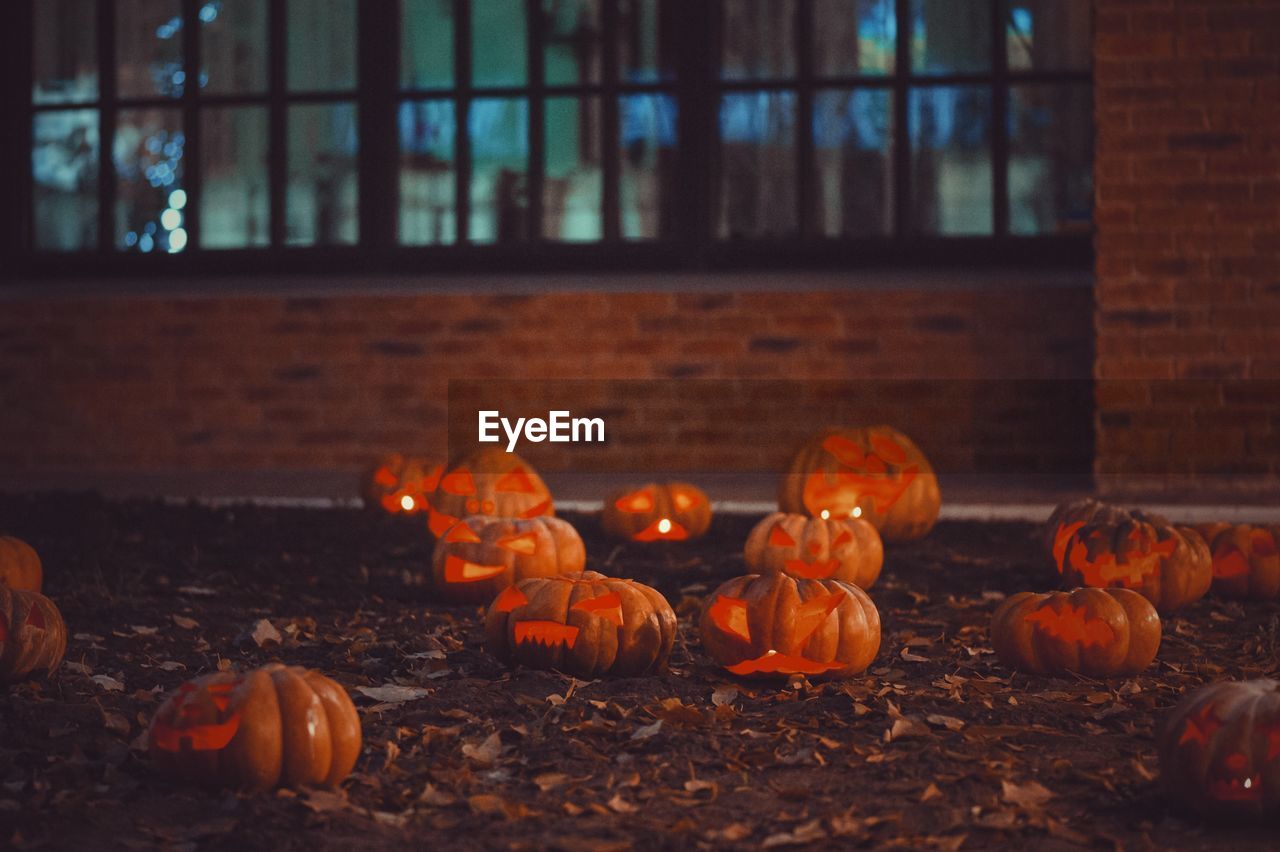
106, 124
278, 164
537, 128
16, 149
462, 113
902, 213
191, 154
806, 173
610, 143
698, 54
378, 155
999, 122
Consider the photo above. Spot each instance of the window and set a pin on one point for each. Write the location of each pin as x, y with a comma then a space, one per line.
281, 133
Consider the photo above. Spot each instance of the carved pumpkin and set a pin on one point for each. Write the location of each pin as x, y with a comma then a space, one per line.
671, 511
846, 549
1096, 632
1220, 749
20, 565
480, 556
273, 726
875, 473
33, 636
587, 626
487, 482
1246, 559
776, 625
399, 484
1095, 544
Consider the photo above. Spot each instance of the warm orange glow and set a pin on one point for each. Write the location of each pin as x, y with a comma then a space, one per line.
384, 477
856, 513
438, 522
664, 529
458, 570
636, 503
526, 544
198, 737
778, 537
1060, 539
1229, 562
1072, 624
819, 569
664, 526
516, 482
812, 613
774, 663
1104, 570
548, 633
730, 615
865, 476
682, 500
888, 449
510, 598
406, 503
4, 628
825, 514
608, 607
1239, 787
844, 538
543, 508
461, 532
1200, 727
458, 482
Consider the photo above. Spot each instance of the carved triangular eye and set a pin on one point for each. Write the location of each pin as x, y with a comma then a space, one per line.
517, 481
606, 606
524, 543
845, 537
461, 532
385, 477
682, 501
846, 452
888, 449
458, 482
639, 501
730, 615
510, 598
778, 537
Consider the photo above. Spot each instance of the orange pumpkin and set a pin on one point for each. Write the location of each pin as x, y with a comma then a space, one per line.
1220, 749
671, 511
399, 484
1246, 559
1096, 632
480, 556
1099, 545
487, 482
771, 625
847, 549
587, 625
273, 726
876, 473
20, 565
33, 636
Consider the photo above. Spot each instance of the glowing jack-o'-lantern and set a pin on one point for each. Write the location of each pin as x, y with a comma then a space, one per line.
1246, 559
876, 473
1095, 544
1096, 632
480, 556
33, 636
586, 625
20, 565
1220, 749
273, 726
772, 625
846, 549
672, 511
487, 482
399, 484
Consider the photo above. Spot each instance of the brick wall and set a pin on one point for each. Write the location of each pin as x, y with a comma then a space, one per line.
1188, 244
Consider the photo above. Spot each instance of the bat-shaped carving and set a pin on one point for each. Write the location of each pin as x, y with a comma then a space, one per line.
1072, 624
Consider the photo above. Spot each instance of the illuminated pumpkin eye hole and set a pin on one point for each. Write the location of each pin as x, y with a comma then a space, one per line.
461, 532
385, 477
510, 598
516, 482
458, 482
432, 479
844, 538
635, 503
730, 615
888, 449
778, 537
608, 607
682, 501
525, 544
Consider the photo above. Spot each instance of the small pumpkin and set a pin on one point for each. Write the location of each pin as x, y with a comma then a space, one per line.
875, 472
1096, 544
33, 636
273, 726
1096, 632
771, 625
480, 556
1220, 749
487, 482
847, 549
670, 511
587, 625
1246, 559
20, 566
399, 484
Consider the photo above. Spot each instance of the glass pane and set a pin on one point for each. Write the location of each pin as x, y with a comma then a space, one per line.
149, 48
234, 206
645, 30
950, 36
147, 154
321, 50
951, 159
853, 139
66, 52
648, 138
572, 187
853, 37
499, 52
757, 164
757, 39
64, 168
233, 46
573, 33
321, 197
426, 44
1048, 35
499, 132
428, 131
1050, 159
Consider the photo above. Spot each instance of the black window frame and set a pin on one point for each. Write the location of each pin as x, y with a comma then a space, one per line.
378, 94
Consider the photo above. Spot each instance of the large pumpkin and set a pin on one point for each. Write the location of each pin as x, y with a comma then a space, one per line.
776, 625
671, 511
1096, 544
33, 636
1220, 749
1096, 632
846, 549
587, 626
487, 482
875, 472
1246, 559
273, 726
19, 565
480, 556
399, 484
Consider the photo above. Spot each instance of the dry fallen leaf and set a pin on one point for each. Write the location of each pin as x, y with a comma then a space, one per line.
1030, 795
392, 693
265, 633
486, 752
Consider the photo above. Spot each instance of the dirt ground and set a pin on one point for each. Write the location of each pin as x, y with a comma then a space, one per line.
937, 746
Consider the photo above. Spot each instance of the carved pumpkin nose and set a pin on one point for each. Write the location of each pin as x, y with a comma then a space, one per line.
814, 547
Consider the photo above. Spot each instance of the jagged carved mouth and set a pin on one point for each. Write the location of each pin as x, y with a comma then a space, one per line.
662, 530
1237, 789
818, 569
771, 662
459, 570
550, 634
